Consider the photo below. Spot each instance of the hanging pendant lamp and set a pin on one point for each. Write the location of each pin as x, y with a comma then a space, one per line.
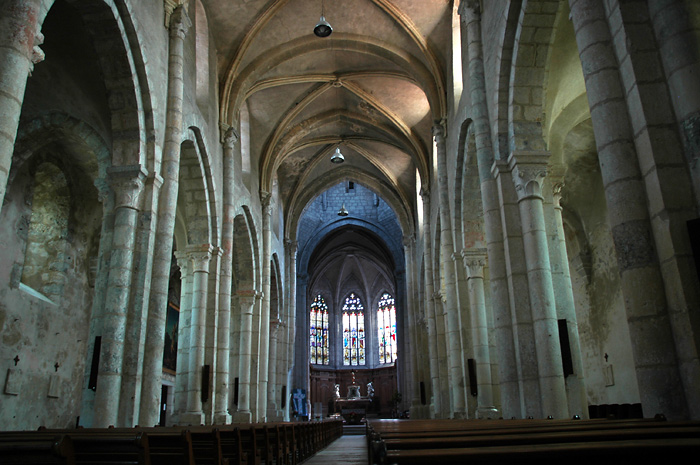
343, 211
337, 156
323, 28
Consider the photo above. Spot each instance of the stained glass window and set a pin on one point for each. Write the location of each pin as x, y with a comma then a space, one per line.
386, 329
318, 342
353, 331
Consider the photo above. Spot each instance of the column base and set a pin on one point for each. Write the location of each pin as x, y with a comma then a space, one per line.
459, 416
490, 413
274, 415
222, 419
191, 418
242, 417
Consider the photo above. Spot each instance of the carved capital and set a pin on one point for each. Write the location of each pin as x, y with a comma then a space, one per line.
409, 240
439, 131
230, 137
474, 262
180, 22
267, 203
127, 184
469, 10
184, 262
200, 255
37, 53
529, 170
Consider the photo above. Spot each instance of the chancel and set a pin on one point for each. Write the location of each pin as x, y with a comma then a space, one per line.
512, 229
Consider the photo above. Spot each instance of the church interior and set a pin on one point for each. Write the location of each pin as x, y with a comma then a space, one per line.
242, 211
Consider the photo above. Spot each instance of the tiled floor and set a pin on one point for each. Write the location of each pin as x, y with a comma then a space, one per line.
348, 450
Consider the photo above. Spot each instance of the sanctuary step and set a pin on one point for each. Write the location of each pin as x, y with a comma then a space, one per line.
354, 430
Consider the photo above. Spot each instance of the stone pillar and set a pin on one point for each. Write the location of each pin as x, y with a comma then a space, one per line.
87, 409
183, 333
412, 329
453, 325
140, 291
200, 257
273, 334
20, 39
127, 183
291, 247
469, 11
264, 338
430, 307
654, 351
529, 170
566, 309
167, 207
678, 51
474, 262
221, 415
246, 303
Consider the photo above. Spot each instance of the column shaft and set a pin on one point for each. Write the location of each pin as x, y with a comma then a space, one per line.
127, 182
656, 364
20, 41
246, 303
167, 207
452, 324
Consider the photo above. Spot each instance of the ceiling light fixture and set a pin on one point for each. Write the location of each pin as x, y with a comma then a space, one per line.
343, 211
337, 156
323, 28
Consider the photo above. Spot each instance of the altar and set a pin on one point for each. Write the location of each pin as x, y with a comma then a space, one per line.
353, 408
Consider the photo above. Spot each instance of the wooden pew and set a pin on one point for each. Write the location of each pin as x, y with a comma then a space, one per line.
49, 450
453, 441
231, 446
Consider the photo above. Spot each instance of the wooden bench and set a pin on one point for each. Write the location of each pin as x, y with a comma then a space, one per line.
55, 449
477, 441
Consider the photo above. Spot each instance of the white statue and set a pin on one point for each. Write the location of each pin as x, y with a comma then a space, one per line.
370, 389
337, 391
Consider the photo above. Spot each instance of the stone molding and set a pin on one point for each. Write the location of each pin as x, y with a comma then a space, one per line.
127, 183
230, 136
180, 21
529, 170
200, 255
474, 262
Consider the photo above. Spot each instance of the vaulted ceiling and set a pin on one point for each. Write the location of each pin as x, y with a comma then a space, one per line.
373, 88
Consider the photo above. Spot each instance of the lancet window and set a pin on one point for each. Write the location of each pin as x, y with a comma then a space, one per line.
318, 342
353, 331
386, 329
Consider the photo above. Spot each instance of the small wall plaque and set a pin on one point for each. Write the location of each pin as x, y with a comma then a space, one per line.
54, 386
13, 382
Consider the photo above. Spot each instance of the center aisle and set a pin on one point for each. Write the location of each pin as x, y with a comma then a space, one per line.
347, 450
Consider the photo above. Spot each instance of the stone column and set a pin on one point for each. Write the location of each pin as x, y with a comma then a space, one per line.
529, 170
167, 207
140, 291
291, 247
106, 197
474, 262
566, 309
273, 334
453, 325
127, 183
221, 415
469, 11
412, 330
430, 307
264, 338
183, 334
246, 302
654, 351
19, 51
200, 257
678, 51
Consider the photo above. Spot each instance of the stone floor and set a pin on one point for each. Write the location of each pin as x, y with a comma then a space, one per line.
347, 450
